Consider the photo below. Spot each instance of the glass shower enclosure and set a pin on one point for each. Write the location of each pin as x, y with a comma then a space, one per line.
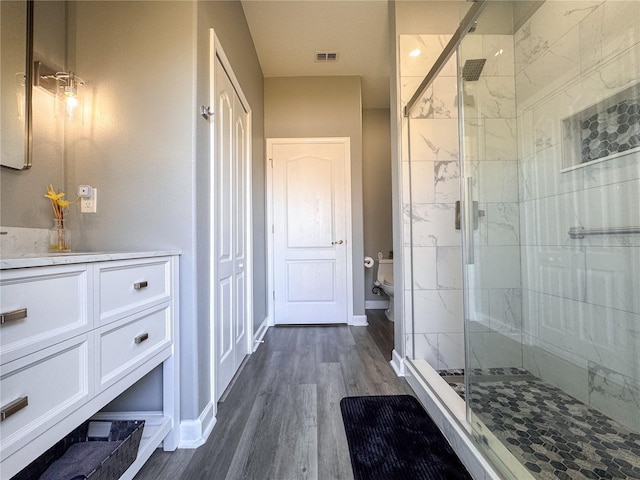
545, 107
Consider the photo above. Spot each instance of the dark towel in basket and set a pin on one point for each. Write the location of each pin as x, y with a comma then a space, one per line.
80, 460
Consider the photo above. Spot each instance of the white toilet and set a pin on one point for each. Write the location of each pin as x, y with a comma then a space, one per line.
385, 281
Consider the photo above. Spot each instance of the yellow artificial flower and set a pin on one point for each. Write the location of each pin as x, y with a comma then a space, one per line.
54, 196
57, 203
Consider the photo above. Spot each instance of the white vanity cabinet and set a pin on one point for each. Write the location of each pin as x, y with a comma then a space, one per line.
77, 331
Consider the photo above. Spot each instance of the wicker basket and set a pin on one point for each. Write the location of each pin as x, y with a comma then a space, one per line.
111, 468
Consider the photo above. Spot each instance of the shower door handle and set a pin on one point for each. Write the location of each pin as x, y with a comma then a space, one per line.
472, 216
476, 214
471, 219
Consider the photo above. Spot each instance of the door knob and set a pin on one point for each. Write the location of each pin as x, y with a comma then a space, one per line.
339, 242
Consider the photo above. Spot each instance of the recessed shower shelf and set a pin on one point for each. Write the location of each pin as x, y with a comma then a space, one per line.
606, 130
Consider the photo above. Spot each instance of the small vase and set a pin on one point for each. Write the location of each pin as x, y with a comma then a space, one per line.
59, 237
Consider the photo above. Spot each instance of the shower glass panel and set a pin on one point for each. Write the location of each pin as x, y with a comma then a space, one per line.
549, 96
433, 179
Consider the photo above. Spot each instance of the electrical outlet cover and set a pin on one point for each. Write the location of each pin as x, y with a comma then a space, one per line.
89, 205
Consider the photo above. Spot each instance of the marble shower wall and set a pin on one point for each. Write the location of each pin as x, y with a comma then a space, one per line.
491, 164
434, 294
581, 298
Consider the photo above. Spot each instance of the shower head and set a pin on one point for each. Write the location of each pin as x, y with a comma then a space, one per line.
472, 69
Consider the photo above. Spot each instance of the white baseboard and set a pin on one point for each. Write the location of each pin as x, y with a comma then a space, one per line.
397, 363
359, 321
194, 433
376, 304
260, 333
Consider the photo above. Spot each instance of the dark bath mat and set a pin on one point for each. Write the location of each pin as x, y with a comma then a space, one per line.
391, 437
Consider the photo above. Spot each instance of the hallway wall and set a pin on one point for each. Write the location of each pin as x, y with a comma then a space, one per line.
376, 190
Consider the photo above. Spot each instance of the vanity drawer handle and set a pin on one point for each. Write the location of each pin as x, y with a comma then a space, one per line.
140, 285
141, 338
13, 407
13, 316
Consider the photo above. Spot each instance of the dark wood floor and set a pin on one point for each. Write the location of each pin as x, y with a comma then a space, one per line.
281, 418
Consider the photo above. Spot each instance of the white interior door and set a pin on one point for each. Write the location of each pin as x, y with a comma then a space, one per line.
230, 240
311, 234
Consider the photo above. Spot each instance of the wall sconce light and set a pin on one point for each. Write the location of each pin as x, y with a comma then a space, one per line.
69, 92
66, 88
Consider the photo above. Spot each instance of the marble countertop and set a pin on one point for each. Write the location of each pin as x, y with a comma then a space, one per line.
25, 260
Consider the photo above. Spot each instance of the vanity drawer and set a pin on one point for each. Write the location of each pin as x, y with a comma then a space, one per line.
41, 307
40, 389
127, 287
124, 345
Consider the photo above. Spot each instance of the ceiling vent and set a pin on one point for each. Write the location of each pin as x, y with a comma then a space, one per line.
326, 56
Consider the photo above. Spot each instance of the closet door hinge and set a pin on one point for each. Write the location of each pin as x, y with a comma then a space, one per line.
271, 162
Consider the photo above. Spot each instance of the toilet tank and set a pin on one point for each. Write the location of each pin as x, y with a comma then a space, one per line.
385, 269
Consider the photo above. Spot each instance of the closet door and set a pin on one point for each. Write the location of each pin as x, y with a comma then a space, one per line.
240, 243
230, 285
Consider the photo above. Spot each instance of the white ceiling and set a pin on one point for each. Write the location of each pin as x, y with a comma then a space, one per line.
287, 34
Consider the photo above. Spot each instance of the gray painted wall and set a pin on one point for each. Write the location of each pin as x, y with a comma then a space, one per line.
136, 146
376, 190
432, 17
324, 107
145, 147
396, 180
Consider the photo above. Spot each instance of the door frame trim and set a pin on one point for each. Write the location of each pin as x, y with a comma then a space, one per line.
270, 218
216, 50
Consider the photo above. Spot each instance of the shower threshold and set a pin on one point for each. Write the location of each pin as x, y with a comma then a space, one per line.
551, 433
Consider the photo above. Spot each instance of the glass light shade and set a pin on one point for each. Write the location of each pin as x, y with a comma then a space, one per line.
69, 101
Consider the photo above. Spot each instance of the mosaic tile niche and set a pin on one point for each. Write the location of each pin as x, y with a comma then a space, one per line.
609, 129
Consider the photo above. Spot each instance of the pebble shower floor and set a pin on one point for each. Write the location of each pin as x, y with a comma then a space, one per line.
551, 433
